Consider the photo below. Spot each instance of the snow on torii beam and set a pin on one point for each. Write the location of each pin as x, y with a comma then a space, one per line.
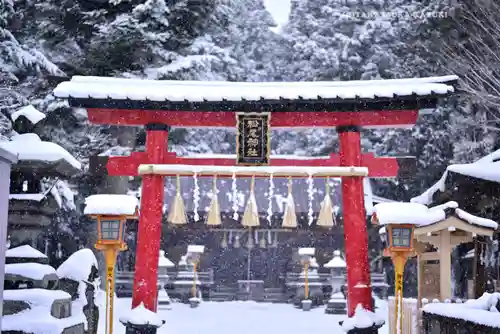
378, 167
259, 171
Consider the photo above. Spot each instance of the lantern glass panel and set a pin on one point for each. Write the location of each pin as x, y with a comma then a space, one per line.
110, 230
401, 236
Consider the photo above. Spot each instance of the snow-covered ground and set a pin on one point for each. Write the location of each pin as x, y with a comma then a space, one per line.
240, 317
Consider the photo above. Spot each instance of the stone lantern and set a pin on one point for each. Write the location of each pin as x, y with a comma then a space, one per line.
337, 302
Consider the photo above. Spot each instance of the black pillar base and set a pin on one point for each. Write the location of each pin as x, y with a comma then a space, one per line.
140, 329
370, 330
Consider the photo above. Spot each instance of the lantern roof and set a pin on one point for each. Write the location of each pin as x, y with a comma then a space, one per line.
369, 95
336, 262
421, 216
45, 157
406, 213
111, 204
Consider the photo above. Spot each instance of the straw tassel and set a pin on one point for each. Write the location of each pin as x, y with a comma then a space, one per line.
177, 213
326, 218
213, 218
290, 217
251, 214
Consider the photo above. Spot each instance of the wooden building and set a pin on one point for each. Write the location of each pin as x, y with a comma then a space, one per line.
476, 189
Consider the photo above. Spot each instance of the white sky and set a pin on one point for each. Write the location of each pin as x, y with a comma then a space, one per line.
279, 9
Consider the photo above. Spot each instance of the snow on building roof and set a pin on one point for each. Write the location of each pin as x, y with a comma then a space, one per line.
475, 220
200, 91
164, 261
195, 249
34, 271
106, 204
141, 316
30, 113
25, 251
421, 215
30, 147
487, 168
406, 213
307, 251
78, 266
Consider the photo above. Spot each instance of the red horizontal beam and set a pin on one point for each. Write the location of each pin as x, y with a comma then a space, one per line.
378, 167
394, 118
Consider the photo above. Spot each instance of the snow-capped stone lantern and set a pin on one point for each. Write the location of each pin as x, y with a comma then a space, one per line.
163, 265
337, 302
193, 257
306, 254
337, 266
111, 213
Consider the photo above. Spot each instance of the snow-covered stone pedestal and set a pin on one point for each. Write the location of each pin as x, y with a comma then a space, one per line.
363, 322
337, 304
79, 276
194, 302
140, 320
306, 304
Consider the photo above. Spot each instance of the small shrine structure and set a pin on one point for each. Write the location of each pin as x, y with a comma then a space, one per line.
254, 109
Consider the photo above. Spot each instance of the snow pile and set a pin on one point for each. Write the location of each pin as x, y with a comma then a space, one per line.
36, 297
39, 316
481, 311
362, 319
30, 147
78, 266
487, 302
141, 316
111, 205
35, 271
30, 113
25, 251
407, 213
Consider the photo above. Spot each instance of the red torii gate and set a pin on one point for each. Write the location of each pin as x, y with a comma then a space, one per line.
159, 105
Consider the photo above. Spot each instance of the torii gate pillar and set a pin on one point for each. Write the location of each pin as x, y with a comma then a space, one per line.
355, 231
150, 221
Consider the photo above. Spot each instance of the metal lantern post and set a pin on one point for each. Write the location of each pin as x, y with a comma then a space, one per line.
110, 232
305, 258
399, 244
193, 256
